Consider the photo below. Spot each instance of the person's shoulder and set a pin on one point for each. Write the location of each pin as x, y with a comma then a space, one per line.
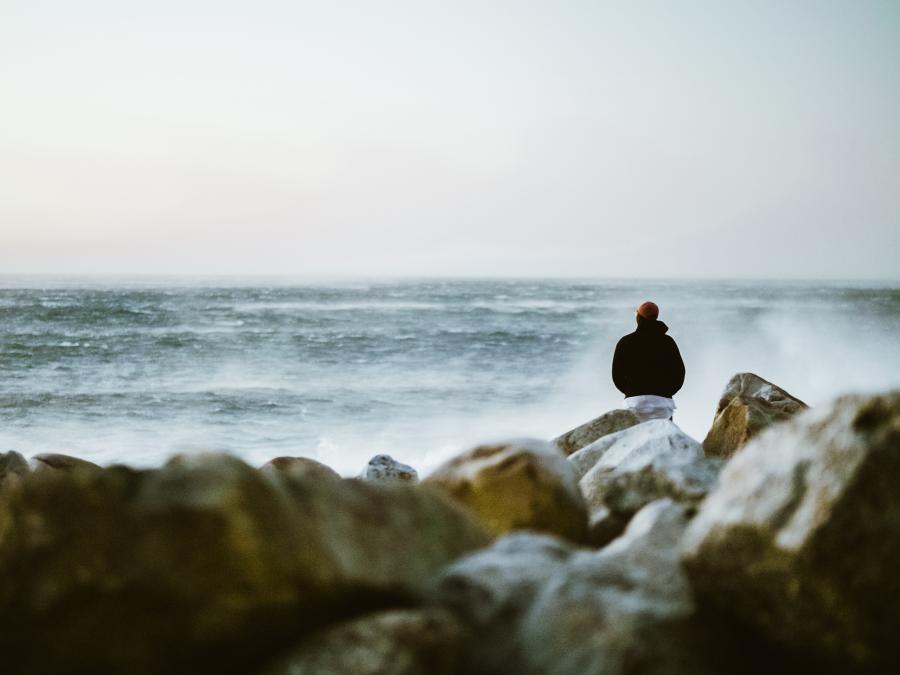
625, 339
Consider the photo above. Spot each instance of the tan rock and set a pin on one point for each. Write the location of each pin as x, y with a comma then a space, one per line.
301, 466
63, 462
748, 405
517, 485
587, 433
13, 468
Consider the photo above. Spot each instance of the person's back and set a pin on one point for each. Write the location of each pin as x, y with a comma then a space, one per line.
647, 366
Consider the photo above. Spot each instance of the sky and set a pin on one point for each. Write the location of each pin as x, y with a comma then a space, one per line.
516, 138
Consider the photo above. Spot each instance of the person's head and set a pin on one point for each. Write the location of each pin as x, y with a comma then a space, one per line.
648, 312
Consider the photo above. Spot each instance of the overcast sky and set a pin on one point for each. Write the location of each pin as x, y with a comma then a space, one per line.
682, 139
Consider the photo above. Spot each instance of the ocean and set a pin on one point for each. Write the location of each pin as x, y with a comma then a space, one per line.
132, 371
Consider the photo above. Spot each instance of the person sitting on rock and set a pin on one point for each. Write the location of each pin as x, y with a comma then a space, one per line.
647, 367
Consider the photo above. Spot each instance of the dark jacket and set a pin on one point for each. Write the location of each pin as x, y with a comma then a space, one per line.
647, 361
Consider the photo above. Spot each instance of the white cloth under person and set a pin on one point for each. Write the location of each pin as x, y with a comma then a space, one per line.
650, 407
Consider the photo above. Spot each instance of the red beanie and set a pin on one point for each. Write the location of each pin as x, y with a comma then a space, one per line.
648, 310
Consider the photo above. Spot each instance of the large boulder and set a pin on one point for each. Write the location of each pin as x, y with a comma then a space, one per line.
301, 466
635, 447
13, 468
634, 467
491, 591
608, 423
205, 561
525, 484
59, 462
748, 405
394, 642
386, 470
800, 542
625, 609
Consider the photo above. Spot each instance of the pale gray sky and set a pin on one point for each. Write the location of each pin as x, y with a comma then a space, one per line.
688, 139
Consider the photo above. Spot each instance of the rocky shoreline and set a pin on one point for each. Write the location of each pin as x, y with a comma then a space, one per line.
617, 547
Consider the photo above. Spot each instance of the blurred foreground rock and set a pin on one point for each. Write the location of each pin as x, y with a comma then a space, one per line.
60, 462
525, 484
492, 590
13, 467
587, 433
396, 642
625, 609
536, 605
205, 562
301, 466
748, 405
800, 542
386, 470
209, 566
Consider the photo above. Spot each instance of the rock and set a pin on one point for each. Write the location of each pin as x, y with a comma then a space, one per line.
639, 465
396, 642
301, 466
387, 470
748, 405
491, 591
636, 447
13, 467
800, 542
204, 561
604, 525
625, 609
587, 433
524, 484
64, 462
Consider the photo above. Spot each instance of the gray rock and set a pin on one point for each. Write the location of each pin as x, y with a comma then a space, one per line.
800, 542
387, 470
396, 642
604, 525
204, 561
637, 447
301, 466
13, 467
491, 591
608, 423
639, 465
748, 405
626, 609
521, 484
60, 462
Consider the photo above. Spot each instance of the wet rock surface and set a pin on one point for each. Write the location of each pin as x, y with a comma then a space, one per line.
748, 405
524, 484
